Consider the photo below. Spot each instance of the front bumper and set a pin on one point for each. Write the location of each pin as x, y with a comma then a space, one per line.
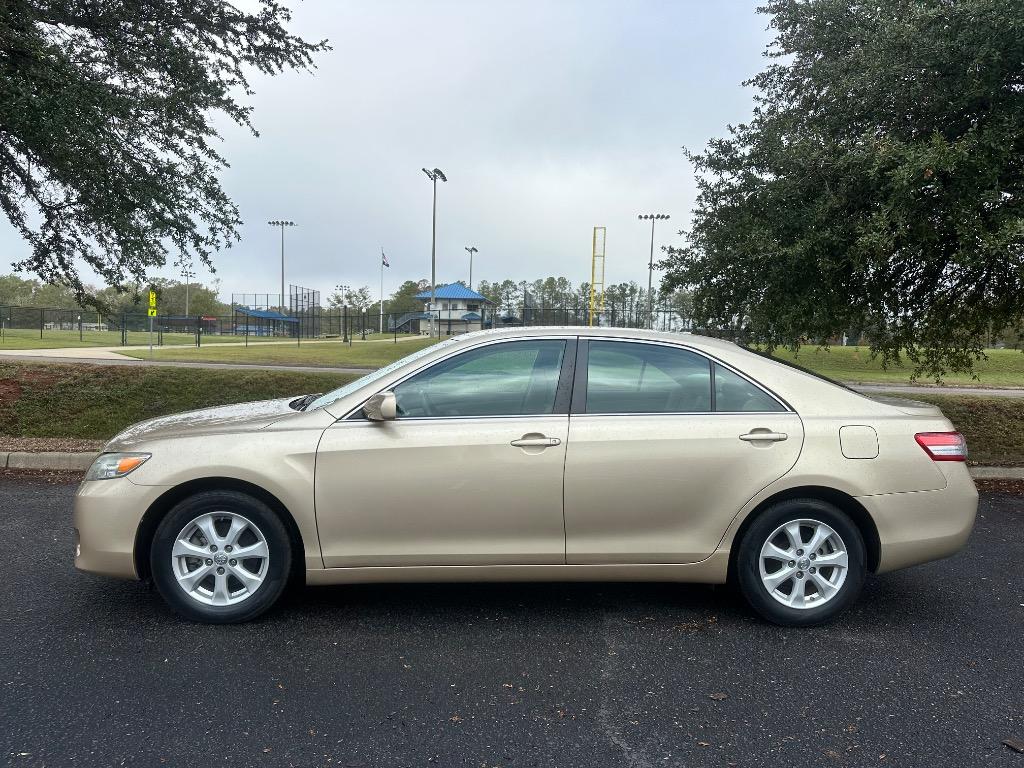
106, 517
921, 526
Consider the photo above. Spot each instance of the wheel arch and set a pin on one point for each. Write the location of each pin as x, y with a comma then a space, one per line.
843, 501
166, 501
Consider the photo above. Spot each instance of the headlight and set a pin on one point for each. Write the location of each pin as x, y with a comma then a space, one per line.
111, 465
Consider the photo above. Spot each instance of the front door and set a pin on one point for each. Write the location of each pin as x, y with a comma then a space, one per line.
665, 447
470, 473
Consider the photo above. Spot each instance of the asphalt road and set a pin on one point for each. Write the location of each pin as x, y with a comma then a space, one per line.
925, 671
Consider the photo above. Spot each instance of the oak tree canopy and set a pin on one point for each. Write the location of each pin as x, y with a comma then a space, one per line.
878, 187
107, 147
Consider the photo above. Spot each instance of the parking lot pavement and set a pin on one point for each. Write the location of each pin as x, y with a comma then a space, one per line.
925, 671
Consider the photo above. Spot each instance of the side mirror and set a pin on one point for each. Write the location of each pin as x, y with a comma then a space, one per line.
381, 407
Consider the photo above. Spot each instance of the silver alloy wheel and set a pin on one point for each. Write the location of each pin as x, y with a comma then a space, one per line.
803, 564
220, 558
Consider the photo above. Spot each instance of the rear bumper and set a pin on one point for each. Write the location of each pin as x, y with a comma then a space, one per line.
921, 526
106, 517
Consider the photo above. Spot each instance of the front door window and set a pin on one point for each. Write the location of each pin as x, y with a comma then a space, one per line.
513, 378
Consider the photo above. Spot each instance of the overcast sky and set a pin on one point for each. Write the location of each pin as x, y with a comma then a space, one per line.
547, 117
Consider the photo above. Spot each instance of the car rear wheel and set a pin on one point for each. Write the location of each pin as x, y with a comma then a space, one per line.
220, 557
801, 563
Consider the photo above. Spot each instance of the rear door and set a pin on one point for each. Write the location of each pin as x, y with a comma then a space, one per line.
665, 447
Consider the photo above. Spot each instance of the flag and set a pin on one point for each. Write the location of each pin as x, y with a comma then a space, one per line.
384, 259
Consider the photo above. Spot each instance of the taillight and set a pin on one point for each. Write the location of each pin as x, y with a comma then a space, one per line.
943, 446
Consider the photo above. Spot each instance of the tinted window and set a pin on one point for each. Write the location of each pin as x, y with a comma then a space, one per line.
625, 377
514, 378
734, 393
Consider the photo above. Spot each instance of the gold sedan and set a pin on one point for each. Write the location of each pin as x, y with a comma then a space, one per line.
535, 454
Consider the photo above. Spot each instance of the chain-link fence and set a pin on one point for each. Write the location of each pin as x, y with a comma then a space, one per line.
28, 327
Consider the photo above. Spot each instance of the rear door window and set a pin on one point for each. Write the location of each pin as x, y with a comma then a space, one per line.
735, 394
631, 377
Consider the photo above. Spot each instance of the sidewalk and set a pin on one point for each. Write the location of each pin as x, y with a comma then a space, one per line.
936, 389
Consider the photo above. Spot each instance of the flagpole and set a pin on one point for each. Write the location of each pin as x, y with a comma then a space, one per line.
382, 290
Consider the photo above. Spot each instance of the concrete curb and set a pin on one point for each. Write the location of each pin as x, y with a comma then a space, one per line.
997, 473
79, 462
49, 461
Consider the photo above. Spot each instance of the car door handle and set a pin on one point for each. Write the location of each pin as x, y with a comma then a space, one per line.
536, 442
757, 436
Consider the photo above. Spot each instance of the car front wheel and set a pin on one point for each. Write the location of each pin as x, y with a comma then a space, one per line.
220, 557
802, 562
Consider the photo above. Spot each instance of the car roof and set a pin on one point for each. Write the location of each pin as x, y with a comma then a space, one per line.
694, 340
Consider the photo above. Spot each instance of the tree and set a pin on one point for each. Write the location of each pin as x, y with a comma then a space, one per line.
878, 185
202, 300
358, 299
107, 144
404, 299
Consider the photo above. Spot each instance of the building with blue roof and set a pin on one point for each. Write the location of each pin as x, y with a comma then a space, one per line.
459, 309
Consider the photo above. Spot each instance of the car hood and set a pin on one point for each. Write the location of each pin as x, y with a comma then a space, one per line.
242, 417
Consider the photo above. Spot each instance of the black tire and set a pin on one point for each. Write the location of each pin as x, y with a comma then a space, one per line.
748, 575
278, 565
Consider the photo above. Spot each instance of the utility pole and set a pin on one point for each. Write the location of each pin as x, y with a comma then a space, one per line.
650, 264
434, 175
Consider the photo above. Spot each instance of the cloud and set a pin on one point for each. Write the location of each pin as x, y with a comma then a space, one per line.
547, 117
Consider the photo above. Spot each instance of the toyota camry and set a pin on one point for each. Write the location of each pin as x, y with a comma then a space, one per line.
535, 454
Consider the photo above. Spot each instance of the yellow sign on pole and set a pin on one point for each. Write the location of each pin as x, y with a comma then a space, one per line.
152, 314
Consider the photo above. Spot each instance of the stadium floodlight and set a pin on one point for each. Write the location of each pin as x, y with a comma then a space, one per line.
650, 264
282, 223
471, 250
434, 175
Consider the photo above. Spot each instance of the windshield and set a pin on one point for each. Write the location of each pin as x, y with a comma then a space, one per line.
362, 381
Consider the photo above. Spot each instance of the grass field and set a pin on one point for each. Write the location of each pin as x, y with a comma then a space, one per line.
21, 338
328, 354
1003, 368
29, 339
96, 402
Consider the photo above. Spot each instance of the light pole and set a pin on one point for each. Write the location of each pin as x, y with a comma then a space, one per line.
186, 272
471, 250
343, 290
434, 175
282, 223
650, 264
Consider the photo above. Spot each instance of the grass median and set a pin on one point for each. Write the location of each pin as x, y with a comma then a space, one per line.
96, 402
992, 425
